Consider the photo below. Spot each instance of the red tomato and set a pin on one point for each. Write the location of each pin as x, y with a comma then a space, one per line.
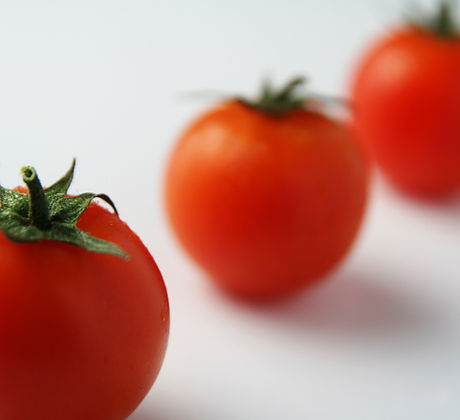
406, 94
265, 203
82, 333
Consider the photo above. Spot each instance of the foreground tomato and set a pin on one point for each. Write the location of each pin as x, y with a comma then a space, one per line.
82, 331
266, 196
407, 99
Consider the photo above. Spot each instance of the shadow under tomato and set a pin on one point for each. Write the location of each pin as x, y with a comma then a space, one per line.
447, 210
443, 207
160, 415
353, 304
166, 415
167, 409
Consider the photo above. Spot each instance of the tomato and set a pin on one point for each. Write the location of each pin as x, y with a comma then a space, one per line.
83, 332
406, 93
266, 197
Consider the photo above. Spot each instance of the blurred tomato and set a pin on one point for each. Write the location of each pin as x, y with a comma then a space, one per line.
267, 196
406, 94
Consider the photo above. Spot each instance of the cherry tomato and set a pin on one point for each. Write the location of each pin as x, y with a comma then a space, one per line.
406, 93
267, 197
83, 332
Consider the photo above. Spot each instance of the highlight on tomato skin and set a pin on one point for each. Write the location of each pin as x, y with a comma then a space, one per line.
84, 312
406, 96
266, 197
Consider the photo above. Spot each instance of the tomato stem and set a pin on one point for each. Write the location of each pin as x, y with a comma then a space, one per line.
278, 102
50, 214
443, 23
39, 206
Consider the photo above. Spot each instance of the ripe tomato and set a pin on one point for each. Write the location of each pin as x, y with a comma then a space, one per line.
266, 197
82, 333
406, 93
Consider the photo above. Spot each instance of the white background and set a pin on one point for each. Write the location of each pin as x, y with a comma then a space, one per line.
104, 81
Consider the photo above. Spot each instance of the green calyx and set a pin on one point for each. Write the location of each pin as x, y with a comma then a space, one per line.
50, 214
278, 102
443, 23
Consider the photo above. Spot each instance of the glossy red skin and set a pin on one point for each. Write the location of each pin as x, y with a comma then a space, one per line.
82, 334
266, 205
406, 94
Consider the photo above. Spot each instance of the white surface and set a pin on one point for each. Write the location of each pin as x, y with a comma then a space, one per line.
380, 339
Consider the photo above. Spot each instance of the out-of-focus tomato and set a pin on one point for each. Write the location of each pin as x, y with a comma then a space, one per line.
266, 196
406, 95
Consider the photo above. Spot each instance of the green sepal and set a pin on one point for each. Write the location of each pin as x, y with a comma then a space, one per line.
278, 102
15, 201
62, 185
65, 209
49, 214
442, 24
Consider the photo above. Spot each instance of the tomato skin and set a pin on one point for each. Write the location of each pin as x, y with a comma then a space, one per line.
265, 204
82, 334
406, 93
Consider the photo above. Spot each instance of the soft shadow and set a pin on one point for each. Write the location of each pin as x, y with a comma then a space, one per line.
159, 409
446, 207
160, 415
353, 304
448, 210
141, 416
